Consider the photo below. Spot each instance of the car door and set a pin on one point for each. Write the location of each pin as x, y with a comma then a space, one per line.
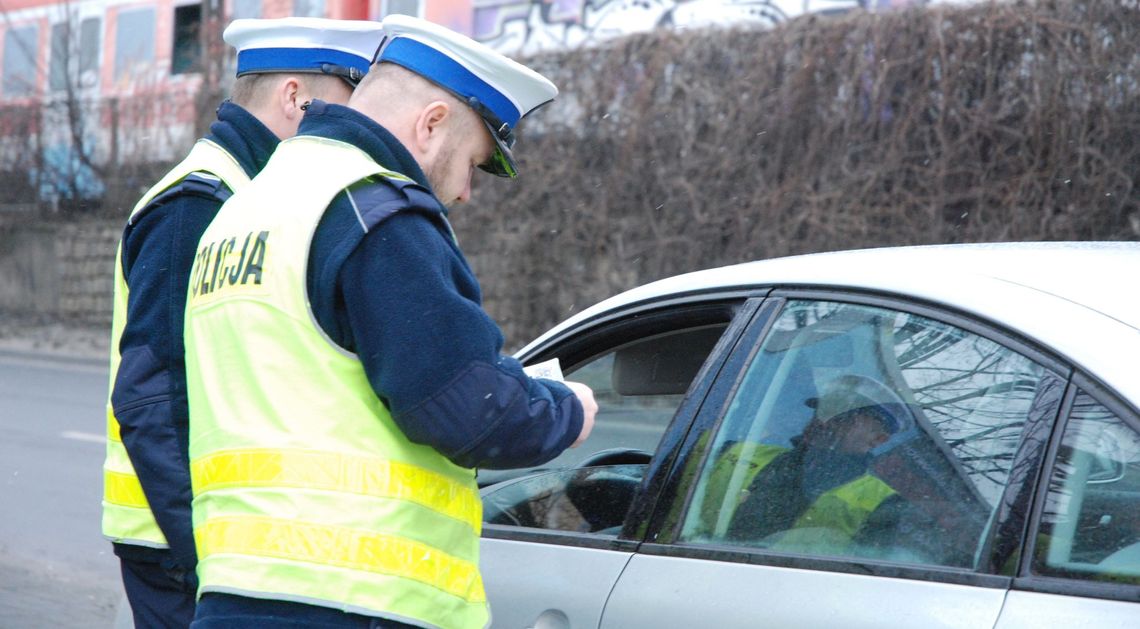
553, 542
859, 462
1082, 567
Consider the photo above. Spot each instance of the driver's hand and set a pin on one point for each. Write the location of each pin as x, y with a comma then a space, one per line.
589, 409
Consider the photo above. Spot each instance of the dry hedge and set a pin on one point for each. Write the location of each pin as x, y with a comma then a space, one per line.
669, 152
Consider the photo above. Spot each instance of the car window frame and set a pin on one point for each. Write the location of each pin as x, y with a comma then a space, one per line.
1025, 580
664, 526
595, 336
614, 327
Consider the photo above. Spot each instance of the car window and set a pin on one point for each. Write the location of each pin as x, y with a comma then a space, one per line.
1091, 524
584, 500
860, 431
638, 385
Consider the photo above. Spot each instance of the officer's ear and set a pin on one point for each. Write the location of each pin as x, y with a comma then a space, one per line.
290, 99
285, 106
431, 128
278, 102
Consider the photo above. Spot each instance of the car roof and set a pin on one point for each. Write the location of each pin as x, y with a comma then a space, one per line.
1078, 298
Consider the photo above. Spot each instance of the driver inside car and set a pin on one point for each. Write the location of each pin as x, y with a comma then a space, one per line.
816, 494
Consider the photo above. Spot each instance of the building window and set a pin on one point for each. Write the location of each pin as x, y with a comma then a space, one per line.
60, 56
309, 8
187, 51
74, 60
20, 47
90, 50
245, 9
134, 43
401, 7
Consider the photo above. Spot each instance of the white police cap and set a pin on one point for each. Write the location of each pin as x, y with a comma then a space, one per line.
499, 89
304, 44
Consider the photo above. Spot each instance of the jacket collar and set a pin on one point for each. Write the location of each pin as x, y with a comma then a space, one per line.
338, 122
243, 136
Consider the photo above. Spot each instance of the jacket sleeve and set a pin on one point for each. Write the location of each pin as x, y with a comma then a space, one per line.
432, 353
149, 394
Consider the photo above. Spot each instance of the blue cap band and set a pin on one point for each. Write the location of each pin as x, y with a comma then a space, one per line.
296, 60
445, 71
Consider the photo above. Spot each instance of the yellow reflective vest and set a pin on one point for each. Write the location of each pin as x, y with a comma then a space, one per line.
127, 518
828, 525
305, 489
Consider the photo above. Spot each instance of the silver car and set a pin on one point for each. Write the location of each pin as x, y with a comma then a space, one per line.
893, 438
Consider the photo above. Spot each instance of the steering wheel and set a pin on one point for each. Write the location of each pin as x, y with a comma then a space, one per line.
616, 456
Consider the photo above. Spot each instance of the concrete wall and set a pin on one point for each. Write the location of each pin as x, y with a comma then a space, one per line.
58, 270
64, 271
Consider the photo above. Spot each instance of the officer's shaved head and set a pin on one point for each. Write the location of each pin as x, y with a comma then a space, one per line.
393, 87
252, 91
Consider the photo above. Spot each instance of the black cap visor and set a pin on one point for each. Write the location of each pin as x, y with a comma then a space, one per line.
502, 162
352, 76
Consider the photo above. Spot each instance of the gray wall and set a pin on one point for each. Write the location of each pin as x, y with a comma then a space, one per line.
58, 270
64, 271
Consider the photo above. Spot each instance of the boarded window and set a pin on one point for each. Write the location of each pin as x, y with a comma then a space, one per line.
402, 7
20, 61
245, 9
60, 56
309, 8
90, 49
134, 43
75, 54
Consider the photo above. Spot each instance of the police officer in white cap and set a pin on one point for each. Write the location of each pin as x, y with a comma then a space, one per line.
281, 65
344, 380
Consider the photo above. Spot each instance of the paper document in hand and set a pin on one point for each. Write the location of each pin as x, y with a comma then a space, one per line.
549, 369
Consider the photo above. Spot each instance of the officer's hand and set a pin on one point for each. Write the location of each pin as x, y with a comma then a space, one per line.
589, 409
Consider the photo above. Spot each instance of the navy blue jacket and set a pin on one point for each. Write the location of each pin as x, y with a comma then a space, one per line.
149, 396
387, 281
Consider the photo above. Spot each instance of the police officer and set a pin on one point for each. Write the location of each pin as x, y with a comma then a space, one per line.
819, 493
281, 65
344, 379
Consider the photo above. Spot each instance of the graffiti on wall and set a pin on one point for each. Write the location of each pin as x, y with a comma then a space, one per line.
527, 26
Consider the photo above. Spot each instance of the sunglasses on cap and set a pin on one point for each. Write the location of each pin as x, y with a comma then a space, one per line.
501, 162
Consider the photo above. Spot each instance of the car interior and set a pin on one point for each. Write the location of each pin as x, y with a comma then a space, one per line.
638, 384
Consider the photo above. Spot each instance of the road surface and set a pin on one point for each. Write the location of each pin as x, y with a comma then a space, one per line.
56, 570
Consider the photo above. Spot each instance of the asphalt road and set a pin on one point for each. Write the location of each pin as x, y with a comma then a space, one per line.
56, 570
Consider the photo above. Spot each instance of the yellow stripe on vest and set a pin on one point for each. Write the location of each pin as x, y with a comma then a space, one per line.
337, 472
124, 490
113, 426
343, 547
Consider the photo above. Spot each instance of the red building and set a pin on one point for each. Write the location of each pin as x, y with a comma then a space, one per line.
89, 87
